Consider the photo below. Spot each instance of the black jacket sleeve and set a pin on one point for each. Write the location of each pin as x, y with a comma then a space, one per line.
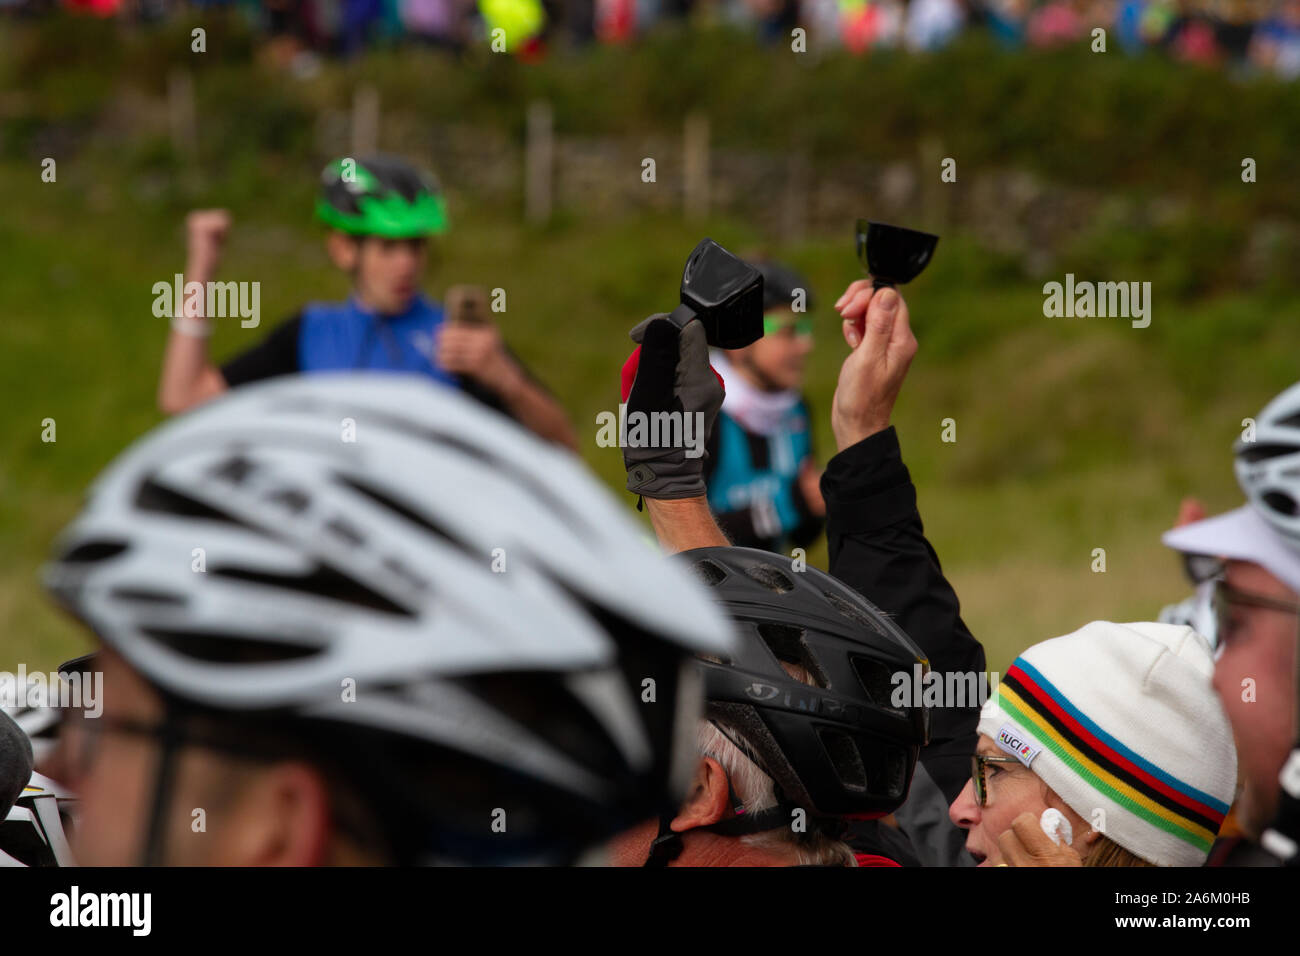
878, 546
810, 525
277, 354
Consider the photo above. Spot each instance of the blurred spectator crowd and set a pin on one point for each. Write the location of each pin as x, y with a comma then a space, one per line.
1251, 35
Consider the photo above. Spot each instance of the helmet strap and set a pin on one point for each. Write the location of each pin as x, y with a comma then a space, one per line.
667, 844
773, 818
164, 782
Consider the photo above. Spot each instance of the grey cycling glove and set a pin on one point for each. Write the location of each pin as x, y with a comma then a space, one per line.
671, 408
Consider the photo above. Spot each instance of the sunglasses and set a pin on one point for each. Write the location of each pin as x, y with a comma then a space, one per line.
979, 774
776, 324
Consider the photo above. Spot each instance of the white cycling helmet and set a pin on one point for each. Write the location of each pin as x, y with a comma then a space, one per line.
498, 614
1268, 468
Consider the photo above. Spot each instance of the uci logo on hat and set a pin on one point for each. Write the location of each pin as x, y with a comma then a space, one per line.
1016, 742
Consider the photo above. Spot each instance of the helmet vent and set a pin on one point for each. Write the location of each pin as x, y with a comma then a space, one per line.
92, 551
1251, 453
875, 680
229, 648
291, 499
894, 770
709, 572
145, 596
323, 582
771, 577
395, 567
346, 532
845, 758
379, 498
1280, 502
234, 469
787, 644
852, 613
154, 497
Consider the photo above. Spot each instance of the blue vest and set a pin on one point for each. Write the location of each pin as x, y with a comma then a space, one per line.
738, 482
343, 336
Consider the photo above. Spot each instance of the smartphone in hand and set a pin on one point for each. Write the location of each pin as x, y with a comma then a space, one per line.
466, 305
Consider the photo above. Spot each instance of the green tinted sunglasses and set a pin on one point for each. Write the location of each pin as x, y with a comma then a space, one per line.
774, 323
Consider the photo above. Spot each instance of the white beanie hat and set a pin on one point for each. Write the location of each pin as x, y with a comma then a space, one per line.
1121, 718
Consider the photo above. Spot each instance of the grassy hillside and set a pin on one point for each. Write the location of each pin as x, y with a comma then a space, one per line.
1072, 434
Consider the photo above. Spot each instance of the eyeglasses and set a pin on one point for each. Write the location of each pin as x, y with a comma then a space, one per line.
80, 737
1226, 598
978, 770
774, 323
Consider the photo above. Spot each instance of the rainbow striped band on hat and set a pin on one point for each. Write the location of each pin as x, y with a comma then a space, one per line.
1104, 763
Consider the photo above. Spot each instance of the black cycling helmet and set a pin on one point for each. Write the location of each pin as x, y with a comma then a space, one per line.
837, 747
780, 286
380, 196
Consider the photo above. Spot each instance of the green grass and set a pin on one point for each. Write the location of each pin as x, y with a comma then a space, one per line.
1072, 434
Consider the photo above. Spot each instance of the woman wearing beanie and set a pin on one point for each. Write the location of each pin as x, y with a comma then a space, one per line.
1115, 728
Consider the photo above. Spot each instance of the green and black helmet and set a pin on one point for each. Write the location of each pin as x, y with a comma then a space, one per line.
380, 196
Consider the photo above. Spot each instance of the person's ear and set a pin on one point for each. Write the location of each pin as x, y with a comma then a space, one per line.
707, 799
280, 817
344, 250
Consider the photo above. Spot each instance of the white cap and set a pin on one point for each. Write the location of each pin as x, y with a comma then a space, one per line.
1241, 535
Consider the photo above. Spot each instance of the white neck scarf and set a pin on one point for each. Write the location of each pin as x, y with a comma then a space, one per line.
757, 411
